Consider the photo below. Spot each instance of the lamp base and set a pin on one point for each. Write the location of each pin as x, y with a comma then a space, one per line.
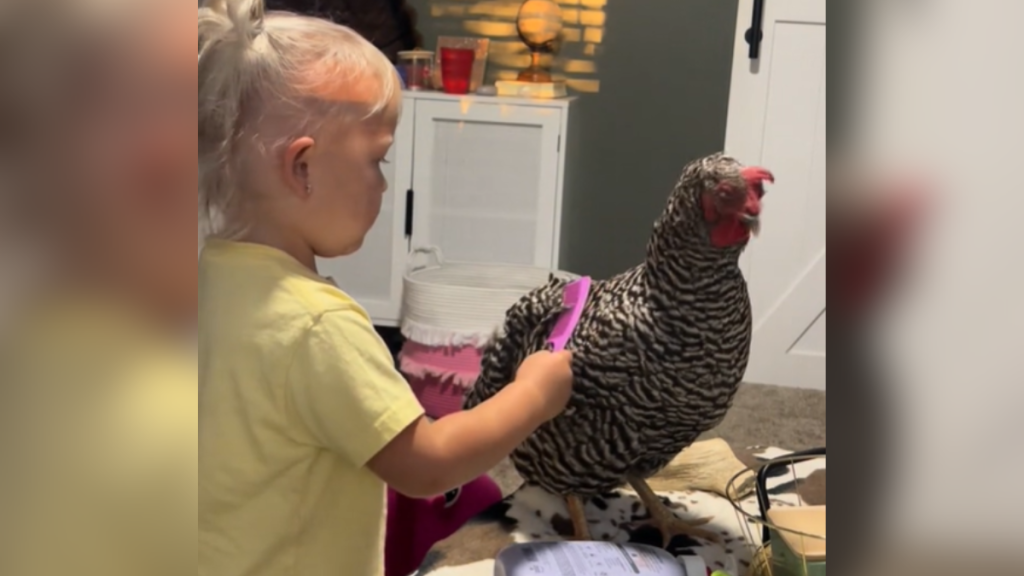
532, 74
520, 89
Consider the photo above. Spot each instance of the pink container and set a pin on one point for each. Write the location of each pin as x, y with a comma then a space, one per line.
440, 375
457, 69
438, 396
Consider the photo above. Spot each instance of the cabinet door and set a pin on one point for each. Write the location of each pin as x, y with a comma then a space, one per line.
373, 275
486, 181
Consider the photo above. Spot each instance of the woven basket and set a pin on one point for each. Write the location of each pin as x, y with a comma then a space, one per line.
461, 303
450, 310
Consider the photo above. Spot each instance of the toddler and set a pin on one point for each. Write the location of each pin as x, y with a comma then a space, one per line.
303, 417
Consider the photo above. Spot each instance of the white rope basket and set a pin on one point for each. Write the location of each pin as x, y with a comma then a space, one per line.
462, 303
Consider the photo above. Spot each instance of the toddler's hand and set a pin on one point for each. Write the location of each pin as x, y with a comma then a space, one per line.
549, 374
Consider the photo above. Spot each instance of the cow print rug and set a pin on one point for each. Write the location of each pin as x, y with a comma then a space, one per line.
531, 515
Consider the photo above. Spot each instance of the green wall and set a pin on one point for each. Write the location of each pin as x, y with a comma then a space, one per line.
664, 68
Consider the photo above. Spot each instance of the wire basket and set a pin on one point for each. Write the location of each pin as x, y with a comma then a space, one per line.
785, 532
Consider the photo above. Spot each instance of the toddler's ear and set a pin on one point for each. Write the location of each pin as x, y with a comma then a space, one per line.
296, 166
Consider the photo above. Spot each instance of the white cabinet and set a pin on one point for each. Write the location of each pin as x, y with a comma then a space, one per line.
481, 178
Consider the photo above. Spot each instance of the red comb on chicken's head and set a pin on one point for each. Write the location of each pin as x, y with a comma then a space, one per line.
733, 208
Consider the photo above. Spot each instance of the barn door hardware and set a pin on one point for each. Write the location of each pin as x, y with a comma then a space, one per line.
755, 33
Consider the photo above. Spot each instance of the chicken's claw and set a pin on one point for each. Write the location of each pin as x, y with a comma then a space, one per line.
671, 526
665, 520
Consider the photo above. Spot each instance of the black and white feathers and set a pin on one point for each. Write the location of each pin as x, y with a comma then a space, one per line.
658, 353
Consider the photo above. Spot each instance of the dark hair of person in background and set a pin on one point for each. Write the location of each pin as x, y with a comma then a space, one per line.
389, 24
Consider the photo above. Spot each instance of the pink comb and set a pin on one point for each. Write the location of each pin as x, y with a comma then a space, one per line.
574, 299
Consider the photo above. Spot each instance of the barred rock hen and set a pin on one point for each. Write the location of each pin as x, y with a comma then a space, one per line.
658, 353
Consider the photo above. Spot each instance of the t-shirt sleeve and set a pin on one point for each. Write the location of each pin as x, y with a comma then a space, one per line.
345, 389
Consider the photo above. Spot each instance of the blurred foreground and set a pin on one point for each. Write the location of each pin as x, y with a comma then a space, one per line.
97, 414
929, 385
98, 395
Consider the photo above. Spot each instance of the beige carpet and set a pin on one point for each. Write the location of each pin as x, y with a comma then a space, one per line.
761, 416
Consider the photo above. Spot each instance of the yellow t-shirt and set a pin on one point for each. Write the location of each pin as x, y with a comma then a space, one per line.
297, 393
98, 441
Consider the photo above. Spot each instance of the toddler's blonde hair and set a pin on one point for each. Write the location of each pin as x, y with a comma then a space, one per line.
255, 66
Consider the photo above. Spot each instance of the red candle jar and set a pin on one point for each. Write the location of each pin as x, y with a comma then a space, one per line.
457, 69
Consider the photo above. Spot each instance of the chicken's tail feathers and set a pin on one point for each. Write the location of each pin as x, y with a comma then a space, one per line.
524, 331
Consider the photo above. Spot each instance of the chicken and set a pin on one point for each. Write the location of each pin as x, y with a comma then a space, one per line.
658, 352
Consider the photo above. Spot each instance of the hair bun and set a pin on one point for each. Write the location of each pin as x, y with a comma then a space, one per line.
240, 18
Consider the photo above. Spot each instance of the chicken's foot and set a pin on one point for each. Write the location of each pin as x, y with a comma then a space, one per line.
581, 529
665, 520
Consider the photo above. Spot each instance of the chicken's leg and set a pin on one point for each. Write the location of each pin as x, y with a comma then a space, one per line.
580, 528
665, 520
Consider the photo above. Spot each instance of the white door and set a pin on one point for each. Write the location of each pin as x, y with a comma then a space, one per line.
486, 181
777, 120
373, 275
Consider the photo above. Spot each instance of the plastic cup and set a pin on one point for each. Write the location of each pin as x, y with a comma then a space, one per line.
456, 69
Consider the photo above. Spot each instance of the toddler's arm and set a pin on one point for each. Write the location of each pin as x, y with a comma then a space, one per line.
430, 458
347, 397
